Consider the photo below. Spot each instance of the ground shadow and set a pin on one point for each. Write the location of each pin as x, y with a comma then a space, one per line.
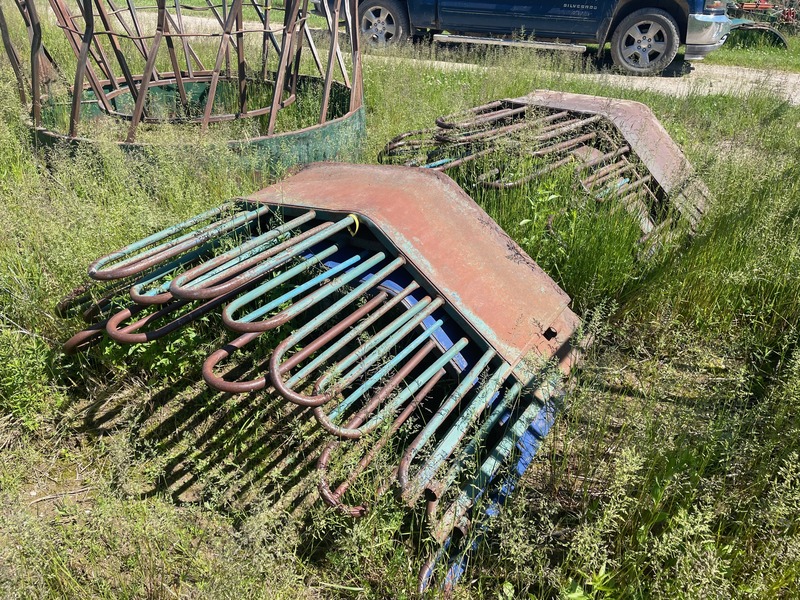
195, 444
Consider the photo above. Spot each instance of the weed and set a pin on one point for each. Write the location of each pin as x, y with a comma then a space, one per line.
671, 473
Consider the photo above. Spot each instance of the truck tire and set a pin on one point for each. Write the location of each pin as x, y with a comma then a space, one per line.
383, 22
645, 42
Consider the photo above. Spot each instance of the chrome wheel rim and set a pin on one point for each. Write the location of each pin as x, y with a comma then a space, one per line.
644, 43
378, 25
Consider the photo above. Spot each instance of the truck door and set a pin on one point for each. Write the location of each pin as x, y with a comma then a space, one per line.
567, 19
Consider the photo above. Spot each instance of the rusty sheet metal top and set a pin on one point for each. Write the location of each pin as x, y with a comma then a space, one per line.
648, 139
452, 243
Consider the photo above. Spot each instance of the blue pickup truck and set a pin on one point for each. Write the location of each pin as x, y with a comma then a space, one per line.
644, 34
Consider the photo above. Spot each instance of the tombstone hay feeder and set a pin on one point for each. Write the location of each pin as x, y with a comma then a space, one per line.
424, 341
619, 152
258, 76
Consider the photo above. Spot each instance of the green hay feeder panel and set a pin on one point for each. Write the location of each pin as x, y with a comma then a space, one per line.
617, 149
426, 344
338, 139
197, 71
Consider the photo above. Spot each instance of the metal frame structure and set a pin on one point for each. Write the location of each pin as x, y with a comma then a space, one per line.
428, 337
175, 84
618, 149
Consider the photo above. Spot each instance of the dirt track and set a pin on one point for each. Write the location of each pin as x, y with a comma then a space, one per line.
713, 79
680, 80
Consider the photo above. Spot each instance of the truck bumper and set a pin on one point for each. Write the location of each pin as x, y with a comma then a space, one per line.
705, 33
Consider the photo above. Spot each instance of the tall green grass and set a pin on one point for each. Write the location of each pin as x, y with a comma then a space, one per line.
672, 472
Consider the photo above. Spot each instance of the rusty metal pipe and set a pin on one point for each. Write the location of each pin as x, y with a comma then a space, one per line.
362, 358
505, 131
435, 487
236, 387
396, 402
602, 175
126, 263
477, 110
278, 369
523, 180
351, 429
445, 410
234, 274
85, 338
448, 443
319, 396
334, 498
313, 298
406, 367
220, 383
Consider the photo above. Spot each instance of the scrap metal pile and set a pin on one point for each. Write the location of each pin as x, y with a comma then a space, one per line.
619, 151
428, 336
766, 20
202, 62
779, 14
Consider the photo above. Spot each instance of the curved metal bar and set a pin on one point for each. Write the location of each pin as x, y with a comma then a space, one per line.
354, 433
467, 383
483, 119
199, 282
456, 433
395, 403
456, 513
351, 428
402, 143
236, 387
447, 121
278, 368
161, 294
318, 398
126, 334
384, 369
80, 300
122, 334
133, 264
318, 295
222, 384
85, 338
501, 409
334, 498
543, 124
452, 164
264, 289
370, 352
228, 278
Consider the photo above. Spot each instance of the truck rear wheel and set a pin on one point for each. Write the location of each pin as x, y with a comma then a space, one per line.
645, 42
383, 21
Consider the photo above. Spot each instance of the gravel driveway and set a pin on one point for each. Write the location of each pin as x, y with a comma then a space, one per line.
712, 79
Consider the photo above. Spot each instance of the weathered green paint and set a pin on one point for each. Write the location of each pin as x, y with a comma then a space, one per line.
338, 139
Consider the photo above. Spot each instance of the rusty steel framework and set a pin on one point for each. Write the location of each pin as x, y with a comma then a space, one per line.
427, 336
618, 149
200, 62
